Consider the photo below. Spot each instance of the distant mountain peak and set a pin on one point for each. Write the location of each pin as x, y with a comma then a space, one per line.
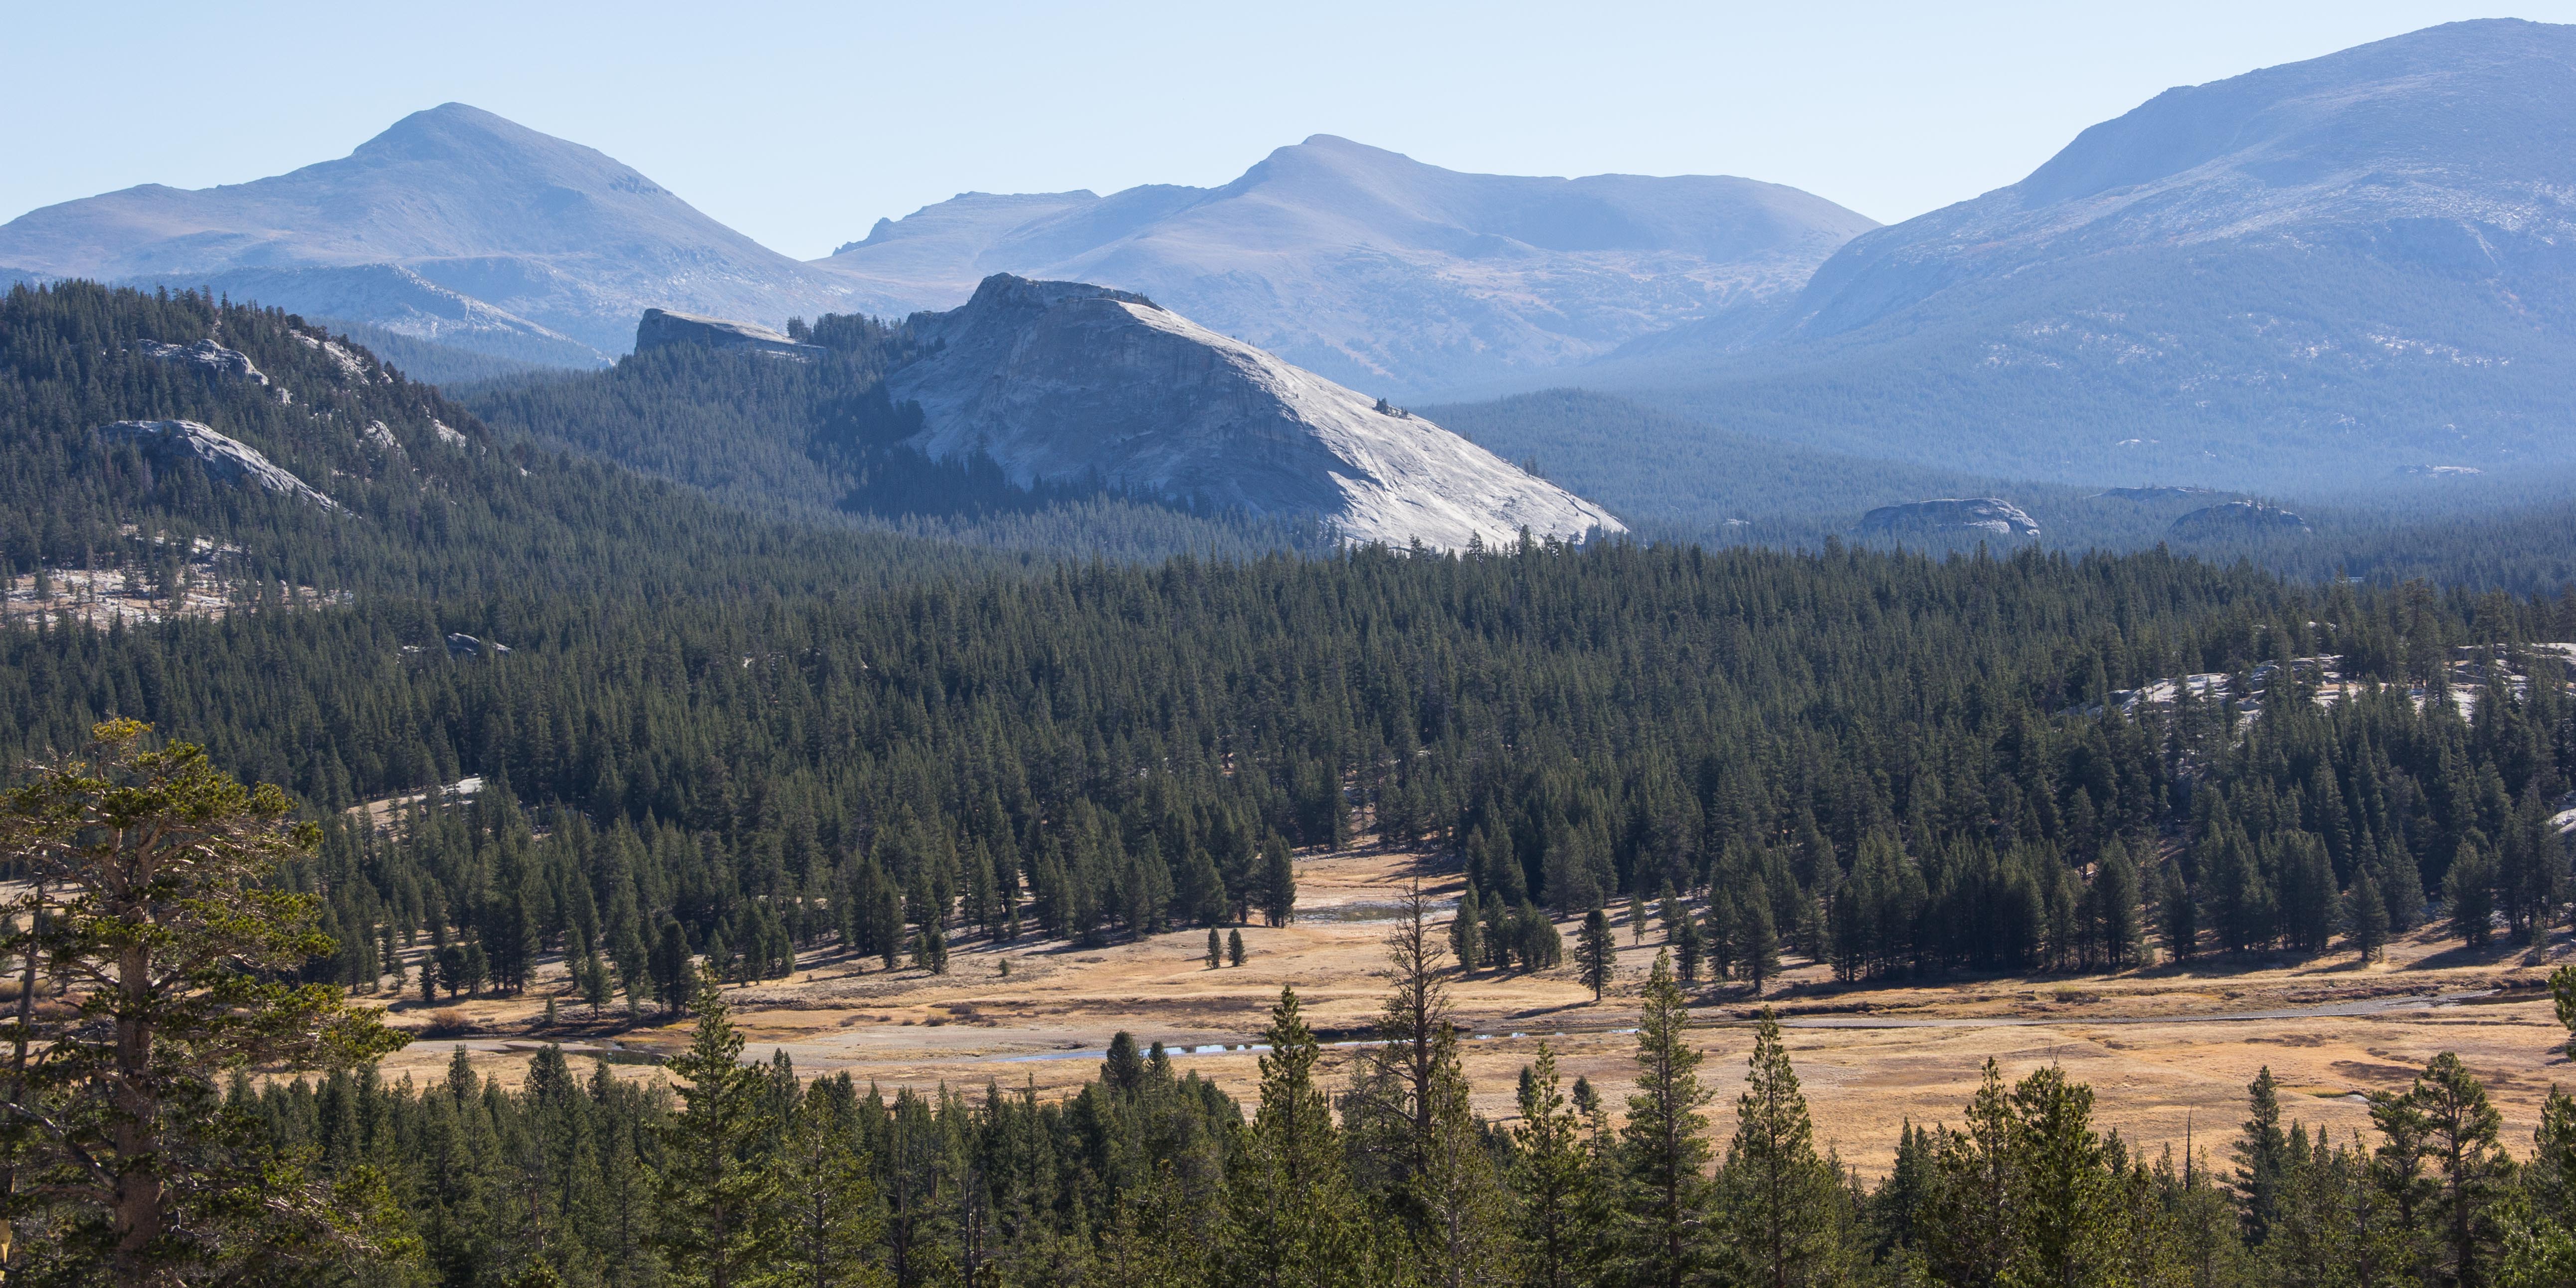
539, 237
1369, 266
2307, 274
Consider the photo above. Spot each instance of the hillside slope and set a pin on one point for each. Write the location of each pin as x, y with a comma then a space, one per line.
2310, 275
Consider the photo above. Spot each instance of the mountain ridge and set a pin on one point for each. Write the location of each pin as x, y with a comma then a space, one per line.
1305, 252
2302, 277
538, 239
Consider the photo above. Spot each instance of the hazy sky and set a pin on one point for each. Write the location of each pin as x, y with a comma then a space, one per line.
800, 124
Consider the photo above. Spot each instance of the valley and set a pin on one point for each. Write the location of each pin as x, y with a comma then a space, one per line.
2170, 1051
1353, 725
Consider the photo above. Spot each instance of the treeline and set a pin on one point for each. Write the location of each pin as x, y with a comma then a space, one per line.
1386, 1176
1872, 759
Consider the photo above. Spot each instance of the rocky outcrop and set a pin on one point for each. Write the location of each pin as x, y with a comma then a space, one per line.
211, 359
2150, 493
226, 460
2236, 518
1061, 381
661, 328
1949, 514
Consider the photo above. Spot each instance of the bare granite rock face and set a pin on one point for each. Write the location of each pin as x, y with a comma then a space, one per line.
662, 327
226, 460
1061, 381
1949, 514
214, 360
2236, 518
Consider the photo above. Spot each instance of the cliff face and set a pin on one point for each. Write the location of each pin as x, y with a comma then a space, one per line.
662, 327
1062, 381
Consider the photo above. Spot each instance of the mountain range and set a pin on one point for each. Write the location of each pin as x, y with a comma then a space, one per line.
1380, 271
2311, 276
458, 226
2353, 274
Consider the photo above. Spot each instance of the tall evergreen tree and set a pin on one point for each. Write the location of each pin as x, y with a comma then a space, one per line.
1783, 1205
1596, 953
723, 1215
1551, 1180
1292, 1220
1663, 1147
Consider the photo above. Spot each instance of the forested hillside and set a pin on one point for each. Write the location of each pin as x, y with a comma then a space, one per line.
437, 504
1091, 753
708, 742
819, 441
1679, 478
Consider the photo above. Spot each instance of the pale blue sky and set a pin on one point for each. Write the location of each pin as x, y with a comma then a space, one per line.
800, 124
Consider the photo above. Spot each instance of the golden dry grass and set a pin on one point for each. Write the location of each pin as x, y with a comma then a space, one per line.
2157, 1045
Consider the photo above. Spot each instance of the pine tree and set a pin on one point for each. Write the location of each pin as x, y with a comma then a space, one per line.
833, 1217
2365, 917
2461, 1131
1759, 955
1465, 934
153, 896
2069, 1221
1782, 1202
2468, 890
723, 1220
1664, 1146
1278, 882
1596, 953
2562, 995
1291, 1218
1551, 1179
1234, 947
1215, 949
2262, 1158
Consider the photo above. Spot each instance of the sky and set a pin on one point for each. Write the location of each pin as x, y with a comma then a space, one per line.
802, 124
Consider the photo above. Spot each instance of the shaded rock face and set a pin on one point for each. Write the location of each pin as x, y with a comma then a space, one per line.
662, 327
1061, 381
226, 460
2236, 518
1949, 514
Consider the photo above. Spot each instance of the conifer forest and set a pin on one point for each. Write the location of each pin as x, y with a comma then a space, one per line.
544, 706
